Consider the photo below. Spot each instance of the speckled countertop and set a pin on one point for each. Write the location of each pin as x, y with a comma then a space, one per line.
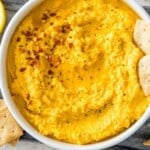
28, 143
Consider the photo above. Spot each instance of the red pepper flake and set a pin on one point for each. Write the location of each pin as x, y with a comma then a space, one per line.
29, 33
12, 94
38, 39
18, 39
33, 63
22, 49
45, 17
67, 122
51, 65
40, 50
82, 50
56, 42
124, 94
34, 52
22, 69
29, 58
81, 78
20, 46
54, 60
51, 23
53, 14
23, 32
36, 28
59, 60
70, 45
65, 28
28, 52
37, 57
85, 115
28, 96
50, 72
84, 61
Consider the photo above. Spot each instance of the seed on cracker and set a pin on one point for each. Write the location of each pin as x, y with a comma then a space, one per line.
142, 35
9, 129
144, 74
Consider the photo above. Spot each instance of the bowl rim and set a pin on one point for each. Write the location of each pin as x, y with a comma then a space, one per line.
25, 9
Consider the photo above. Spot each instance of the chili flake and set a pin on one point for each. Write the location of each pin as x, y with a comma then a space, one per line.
22, 69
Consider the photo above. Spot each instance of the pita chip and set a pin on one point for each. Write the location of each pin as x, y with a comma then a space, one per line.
144, 74
141, 35
9, 129
147, 142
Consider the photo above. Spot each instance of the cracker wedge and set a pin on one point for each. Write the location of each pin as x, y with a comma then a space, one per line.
144, 74
9, 129
141, 35
147, 142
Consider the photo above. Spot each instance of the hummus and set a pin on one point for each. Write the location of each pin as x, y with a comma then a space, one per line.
72, 69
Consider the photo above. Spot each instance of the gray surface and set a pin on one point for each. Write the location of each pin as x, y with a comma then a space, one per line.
134, 142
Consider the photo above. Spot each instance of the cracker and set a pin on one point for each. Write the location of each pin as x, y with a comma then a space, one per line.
9, 129
141, 35
147, 142
144, 74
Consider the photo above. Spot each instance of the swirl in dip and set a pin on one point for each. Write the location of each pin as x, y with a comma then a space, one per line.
72, 69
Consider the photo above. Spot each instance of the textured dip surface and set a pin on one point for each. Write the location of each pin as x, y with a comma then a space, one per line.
72, 69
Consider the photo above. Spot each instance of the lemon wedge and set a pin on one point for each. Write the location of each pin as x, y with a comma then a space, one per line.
2, 16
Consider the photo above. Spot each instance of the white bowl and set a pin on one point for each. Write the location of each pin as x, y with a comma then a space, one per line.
19, 118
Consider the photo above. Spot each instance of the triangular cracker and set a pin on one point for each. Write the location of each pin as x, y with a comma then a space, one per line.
9, 129
144, 74
147, 142
142, 35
